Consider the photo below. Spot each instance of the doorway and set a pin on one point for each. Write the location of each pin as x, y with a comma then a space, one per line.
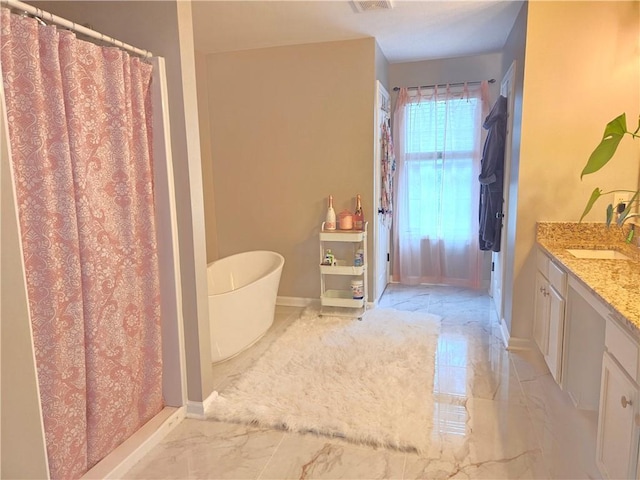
507, 89
382, 223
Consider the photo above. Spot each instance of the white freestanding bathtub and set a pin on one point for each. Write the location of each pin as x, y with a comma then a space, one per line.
242, 300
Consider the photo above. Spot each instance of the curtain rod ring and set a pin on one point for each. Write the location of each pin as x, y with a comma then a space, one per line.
39, 17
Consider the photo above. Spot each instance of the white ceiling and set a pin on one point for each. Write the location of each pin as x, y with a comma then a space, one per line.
410, 31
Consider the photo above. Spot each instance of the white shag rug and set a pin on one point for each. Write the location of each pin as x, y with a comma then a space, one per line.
368, 381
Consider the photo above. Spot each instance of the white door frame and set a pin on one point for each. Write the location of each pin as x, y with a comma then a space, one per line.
498, 275
381, 234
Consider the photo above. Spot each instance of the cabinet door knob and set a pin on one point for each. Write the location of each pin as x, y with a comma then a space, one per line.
625, 402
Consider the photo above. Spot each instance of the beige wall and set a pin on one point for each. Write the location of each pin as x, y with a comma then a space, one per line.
22, 442
513, 51
382, 68
289, 126
211, 226
191, 224
448, 70
581, 70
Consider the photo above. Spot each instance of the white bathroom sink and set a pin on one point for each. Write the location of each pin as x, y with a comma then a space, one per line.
601, 254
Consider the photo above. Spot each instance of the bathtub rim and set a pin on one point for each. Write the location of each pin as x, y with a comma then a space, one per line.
269, 273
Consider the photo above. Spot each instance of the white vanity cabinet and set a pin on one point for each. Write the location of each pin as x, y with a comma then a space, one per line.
584, 332
619, 415
548, 326
592, 349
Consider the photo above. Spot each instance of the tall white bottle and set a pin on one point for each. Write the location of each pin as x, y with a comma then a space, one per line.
330, 220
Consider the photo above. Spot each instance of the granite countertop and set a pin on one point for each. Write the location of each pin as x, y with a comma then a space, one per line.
615, 282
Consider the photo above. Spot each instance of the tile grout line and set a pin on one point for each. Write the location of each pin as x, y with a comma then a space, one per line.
404, 466
296, 314
271, 457
527, 403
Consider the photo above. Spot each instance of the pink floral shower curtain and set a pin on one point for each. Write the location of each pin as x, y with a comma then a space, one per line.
79, 119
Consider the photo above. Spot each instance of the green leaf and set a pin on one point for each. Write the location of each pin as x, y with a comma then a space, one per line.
622, 217
613, 133
630, 235
595, 195
609, 214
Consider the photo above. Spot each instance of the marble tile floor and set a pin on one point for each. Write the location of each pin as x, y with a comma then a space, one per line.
497, 414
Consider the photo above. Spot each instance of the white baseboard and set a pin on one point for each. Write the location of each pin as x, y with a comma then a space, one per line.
297, 301
513, 343
504, 331
119, 462
198, 410
517, 343
195, 410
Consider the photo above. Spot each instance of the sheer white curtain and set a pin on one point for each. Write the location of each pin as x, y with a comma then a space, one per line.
438, 149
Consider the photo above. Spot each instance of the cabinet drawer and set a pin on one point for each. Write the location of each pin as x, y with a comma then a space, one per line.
622, 347
557, 278
542, 263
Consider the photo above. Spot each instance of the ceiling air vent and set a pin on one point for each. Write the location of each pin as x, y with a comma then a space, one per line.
371, 5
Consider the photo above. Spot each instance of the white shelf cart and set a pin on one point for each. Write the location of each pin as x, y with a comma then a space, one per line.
340, 299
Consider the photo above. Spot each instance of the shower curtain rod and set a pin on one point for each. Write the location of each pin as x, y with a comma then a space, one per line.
69, 25
492, 80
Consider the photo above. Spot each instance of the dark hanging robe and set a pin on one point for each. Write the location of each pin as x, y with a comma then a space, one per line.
491, 176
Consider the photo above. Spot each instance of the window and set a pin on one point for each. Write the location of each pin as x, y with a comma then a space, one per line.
441, 137
436, 222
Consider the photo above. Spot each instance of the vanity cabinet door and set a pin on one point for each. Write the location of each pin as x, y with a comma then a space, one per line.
553, 357
541, 317
617, 441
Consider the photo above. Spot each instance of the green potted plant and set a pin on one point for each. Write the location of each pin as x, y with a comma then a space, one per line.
615, 130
